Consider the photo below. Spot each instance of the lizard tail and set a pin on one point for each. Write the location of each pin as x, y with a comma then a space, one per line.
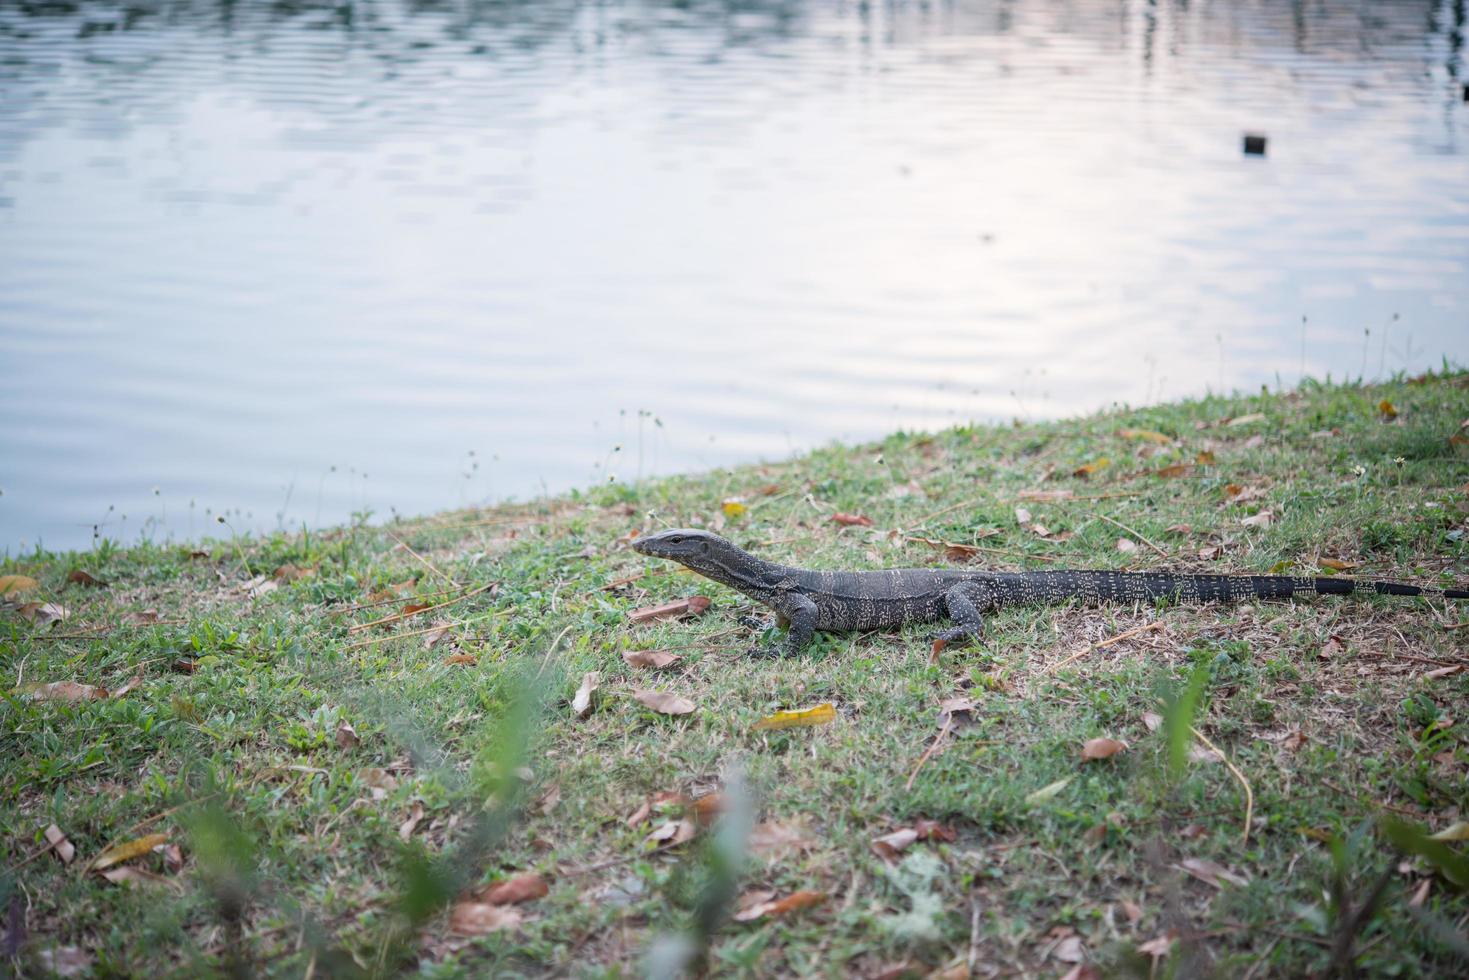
1346, 586
1124, 586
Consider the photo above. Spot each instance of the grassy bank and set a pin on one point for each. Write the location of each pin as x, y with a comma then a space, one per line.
316, 795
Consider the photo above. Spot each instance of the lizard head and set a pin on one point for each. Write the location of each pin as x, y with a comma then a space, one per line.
687, 545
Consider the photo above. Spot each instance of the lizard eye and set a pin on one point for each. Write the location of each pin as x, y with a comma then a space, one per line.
676, 539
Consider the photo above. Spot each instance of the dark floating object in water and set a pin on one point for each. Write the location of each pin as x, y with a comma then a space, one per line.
1466, 93
1254, 145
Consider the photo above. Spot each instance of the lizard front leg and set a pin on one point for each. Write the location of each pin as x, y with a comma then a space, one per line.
800, 613
966, 603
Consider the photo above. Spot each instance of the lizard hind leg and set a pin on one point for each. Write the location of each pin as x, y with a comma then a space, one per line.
966, 604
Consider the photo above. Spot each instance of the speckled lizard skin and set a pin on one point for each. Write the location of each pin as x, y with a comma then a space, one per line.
808, 600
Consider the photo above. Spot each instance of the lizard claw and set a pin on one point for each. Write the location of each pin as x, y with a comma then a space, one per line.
755, 623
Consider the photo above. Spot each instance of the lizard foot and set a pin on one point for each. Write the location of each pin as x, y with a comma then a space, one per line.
759, 651
756, 623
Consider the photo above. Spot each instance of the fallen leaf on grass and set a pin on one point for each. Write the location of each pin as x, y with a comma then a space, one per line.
670, 834
691, 606
821, 714
524, 887
126, 851
773, 840
664, 704
1211, 873
65, 691
138, 876
1336, 564
1262, 519
1147, 435
63, 848
293, 573
1387, 409
651, 659
1334, 646
1438, 672
379, 781
1047, 792
12, 584
1070, 950
406, 828
1096, 466
890, 845
623, 582
1237, 494
66, 961
80, 577
933, 830
1246, 419
464, 659
142, 617
1420, 894
1152, 720
1294, 741
1159, 947
1210, 552
1126, 545
42, 613
1205, 458
132, 684
781, 906
470, 918
414, 607
1458, 830
1171, 472
1022, 516
1101, 748
851, 520
733, 507
346, 736
581, 702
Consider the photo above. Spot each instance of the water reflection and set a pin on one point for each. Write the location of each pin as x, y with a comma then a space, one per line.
295, 259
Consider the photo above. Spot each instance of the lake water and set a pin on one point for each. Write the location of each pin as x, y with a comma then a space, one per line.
293, 260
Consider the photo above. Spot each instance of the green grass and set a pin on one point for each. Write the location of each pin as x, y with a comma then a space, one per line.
292, 863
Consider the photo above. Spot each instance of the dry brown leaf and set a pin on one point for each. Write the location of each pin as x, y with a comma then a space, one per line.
1089, 469
1126, 545
461, 659
60, 846
524, 887
1193, 831
1205, 458
433, 636
1158, 947
1262, 519
651, 659
126, 851
1132, 910
1246, 419
1440, 672
890, 845
581, 702
640, 814
707, 808
1420, 894
851, 520
1152, 720
1334, 646
415, 607
791, 903
1336, 564
1101, 748
1211, 873
406, 828
141, 617
1171, 472
81, 577
1070, 950
772, 840
691, 606
42, 613
664, 704
1210, 552
15, 584
1146, 434
293, 573
670, 834
65, 691
1456, 831
1237, 494
469, 918
1294, 741
957, 970
346, 736
132, 684
1387, 409
1022, 516
379, 781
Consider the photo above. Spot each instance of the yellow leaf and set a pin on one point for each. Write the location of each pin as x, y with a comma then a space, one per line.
821, 714
733, 507
16, 583
1387, 409
1147, 434
1456, 831
1046, 792
118, 853
1093, 467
